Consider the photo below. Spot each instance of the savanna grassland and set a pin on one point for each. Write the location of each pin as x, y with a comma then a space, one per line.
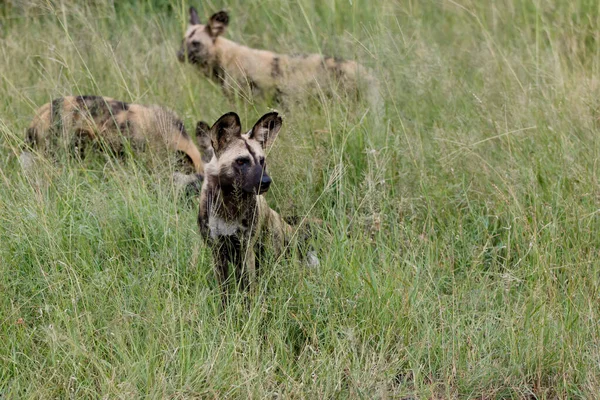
460, 255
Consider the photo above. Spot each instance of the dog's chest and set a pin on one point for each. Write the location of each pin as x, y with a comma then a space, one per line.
220, 227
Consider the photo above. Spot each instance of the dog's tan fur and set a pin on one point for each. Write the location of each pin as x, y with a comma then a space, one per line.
237, 67
82, 120
234, 217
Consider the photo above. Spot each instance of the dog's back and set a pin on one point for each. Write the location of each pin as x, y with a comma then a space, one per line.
77, 121
237, 67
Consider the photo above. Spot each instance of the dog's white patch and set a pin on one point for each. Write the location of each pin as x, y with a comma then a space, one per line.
181, 180
219, 227
312, 260
27, 160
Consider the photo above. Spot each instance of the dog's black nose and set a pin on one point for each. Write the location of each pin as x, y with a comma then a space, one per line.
265, 181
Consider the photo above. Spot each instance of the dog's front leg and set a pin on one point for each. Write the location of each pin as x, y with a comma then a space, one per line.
229, 87
246, 270
221, 259
250, 267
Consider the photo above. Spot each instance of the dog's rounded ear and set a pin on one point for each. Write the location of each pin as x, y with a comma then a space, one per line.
266, 129
227, 128
203, 139
194, 18
217, 24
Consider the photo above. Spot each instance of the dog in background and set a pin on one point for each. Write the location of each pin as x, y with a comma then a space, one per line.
80, 122
237, 67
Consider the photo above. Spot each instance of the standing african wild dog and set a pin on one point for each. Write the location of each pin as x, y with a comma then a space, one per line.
234, 217
81, 121
236, 67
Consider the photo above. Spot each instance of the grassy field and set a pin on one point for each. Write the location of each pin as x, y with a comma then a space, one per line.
462, 259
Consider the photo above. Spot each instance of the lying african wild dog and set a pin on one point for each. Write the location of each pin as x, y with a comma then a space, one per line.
235, 66
81, 121
234, 217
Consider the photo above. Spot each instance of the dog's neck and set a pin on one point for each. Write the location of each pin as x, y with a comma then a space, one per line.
226, 48
226, 212
236, 55
227, 202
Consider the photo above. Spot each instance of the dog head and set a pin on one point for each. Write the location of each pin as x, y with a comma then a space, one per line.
238, 161
198, 45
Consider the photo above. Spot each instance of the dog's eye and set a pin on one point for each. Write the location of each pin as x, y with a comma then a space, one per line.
242, 161
195, 43
262, 161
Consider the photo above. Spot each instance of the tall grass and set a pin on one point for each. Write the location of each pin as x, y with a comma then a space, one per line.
461, 259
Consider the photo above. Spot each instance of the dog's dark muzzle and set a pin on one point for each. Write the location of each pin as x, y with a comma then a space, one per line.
265, 183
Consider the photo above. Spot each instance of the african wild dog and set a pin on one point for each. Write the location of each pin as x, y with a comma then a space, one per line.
77, 122
237, 67
234, 217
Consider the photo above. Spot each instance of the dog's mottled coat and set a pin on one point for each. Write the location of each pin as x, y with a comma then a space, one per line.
80, 121
237, 67
234, 217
